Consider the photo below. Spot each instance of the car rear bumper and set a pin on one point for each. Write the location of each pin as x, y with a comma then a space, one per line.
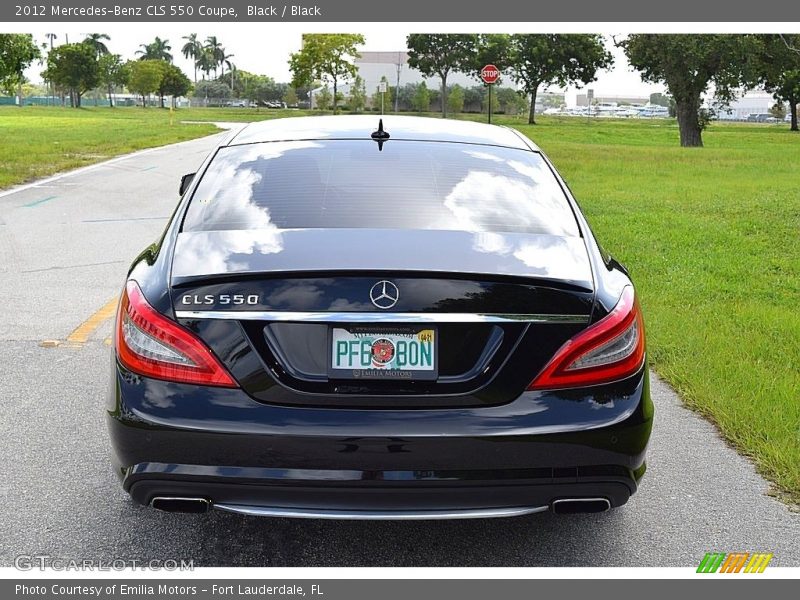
235, 453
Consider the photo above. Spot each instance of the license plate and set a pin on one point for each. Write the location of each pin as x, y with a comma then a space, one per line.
401, 353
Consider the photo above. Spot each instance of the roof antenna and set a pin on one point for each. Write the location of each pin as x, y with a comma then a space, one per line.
380, 135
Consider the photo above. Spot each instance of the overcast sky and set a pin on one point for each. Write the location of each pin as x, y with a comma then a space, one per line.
265, 48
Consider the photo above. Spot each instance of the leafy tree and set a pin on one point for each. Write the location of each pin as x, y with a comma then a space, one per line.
538, 59
405, 96
328, 57
422, 98
491, 48
324, 99
778, 110
553, 101
474, 98
193, 49
260, 89
212, 90
75, 68
173, 83
17, 52
358, 95
441, 54
779, 70
112, 72
145, 77
435, 96
95, 40
290, 97
510, 101
659, 99
158, 49
455, 99
688, 64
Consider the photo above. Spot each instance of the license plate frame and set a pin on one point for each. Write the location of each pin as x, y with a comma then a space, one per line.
373, 373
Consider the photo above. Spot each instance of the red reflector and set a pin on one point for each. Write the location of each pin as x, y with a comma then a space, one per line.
610, 350
152, 345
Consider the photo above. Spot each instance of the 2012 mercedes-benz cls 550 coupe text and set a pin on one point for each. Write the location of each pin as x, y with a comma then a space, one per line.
349, 318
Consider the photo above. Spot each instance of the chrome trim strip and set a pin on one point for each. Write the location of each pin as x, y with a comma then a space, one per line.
180, 499
377, 317
380, 515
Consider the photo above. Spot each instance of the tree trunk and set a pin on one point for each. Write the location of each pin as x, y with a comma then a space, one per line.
688, 121
532, 112
793, 111
161, 99
335, 84
77, 99
110, 97
444, 94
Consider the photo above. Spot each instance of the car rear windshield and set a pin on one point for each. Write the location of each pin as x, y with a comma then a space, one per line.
355, 184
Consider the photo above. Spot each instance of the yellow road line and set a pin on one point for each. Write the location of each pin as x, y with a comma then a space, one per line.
85, 329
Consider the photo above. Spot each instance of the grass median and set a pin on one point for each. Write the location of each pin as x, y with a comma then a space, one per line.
40, 141
709, 234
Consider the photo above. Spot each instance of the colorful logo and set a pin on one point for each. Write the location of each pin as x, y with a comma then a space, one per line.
382, 352
734, 562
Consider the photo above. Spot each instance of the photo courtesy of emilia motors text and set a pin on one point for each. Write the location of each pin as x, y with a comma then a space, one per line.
349, 299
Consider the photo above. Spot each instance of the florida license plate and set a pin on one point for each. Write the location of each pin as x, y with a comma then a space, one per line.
401, 353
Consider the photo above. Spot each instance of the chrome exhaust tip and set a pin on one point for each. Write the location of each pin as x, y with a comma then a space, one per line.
180, 504
573, 506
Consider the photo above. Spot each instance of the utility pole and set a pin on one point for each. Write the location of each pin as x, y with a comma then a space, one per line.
399, 65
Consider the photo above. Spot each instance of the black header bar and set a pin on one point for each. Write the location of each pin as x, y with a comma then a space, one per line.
365, 11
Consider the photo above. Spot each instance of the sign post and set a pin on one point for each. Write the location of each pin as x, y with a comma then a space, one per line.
382, 86
490, 74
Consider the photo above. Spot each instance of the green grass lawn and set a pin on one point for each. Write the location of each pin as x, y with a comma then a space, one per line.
711, 236
40, 141
712, 239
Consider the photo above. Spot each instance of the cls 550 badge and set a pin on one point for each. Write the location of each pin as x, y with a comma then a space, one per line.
220, 299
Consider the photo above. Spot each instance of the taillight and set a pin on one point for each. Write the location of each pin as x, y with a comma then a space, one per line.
151, 345
609, 350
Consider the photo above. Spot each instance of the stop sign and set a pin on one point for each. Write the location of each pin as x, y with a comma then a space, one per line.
490, 74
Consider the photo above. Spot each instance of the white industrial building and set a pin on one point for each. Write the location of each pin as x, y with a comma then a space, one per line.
373, 66
739, 109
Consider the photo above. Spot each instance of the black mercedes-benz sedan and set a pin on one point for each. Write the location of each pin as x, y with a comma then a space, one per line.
356, 318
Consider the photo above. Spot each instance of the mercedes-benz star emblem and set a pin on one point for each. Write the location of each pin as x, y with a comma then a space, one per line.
384, 294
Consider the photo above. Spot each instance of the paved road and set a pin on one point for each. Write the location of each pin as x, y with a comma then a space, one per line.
65, 246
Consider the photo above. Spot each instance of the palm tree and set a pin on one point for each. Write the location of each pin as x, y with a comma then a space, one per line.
192, 49
95, 40
225, 60
50, 37
215, 51
232, 69
205, 62
158, 49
